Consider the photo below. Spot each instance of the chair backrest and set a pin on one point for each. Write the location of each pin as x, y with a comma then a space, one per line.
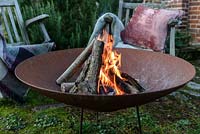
12, 26
126, 9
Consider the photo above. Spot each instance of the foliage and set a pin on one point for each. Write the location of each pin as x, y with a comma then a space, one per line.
53, 24
44, 121
107, 6
182, 38
13, 122
182, 123
71, 21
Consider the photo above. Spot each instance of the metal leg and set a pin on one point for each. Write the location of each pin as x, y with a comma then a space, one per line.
81, 122
139, 122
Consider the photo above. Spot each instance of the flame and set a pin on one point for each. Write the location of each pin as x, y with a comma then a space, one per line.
111, 62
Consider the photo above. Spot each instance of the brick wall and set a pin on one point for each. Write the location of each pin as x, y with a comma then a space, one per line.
194, 19
181, 5
191, 20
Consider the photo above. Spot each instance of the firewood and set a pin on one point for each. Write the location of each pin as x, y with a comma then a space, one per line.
66, 86
126, 87
76, 64
131, 81
87, 81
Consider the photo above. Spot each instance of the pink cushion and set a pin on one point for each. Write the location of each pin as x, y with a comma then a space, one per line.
148, 27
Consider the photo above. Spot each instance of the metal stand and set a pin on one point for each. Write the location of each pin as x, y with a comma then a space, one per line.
81, 122
139, 122
97, 116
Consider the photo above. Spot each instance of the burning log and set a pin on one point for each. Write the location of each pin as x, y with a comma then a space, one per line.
128, 84
76, 64
87, 81
100, 72
132, 82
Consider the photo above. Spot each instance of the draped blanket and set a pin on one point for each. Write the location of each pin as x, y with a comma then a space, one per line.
10, 57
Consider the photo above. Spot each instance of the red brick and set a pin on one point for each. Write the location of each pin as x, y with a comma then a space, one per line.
193, 21
193, 8
193, 31
193, 35
194, 3
193, 26
197, 39
194, 12
193, 17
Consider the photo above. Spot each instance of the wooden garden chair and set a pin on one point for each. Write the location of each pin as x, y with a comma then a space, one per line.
126, 8
14, 27
15, 47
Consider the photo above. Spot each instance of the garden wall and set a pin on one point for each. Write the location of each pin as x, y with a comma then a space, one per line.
191, 20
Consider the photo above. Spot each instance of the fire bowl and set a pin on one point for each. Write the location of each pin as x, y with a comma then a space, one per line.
160, 74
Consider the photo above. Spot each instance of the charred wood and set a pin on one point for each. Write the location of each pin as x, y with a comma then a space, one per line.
87, 81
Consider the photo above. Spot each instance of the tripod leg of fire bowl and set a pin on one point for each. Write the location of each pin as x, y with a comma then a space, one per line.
139, 121
81, 122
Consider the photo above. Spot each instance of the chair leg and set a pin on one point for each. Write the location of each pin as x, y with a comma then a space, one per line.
139, 121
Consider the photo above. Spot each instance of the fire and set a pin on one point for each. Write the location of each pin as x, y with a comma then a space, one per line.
111, 62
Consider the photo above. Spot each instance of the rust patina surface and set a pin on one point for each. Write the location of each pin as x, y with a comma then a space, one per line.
159, 73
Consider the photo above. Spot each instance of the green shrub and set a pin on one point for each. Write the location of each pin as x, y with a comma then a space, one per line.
71, 21
53, 24
182, 38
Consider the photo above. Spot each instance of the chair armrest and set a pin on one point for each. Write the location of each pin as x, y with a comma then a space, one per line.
171, 25
36, 19
174, 22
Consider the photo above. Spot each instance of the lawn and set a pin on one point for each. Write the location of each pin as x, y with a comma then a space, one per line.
177, 113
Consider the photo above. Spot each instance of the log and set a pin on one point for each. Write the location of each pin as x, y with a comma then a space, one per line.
126, 87
131, 81
66, 86
76, 64
87, 81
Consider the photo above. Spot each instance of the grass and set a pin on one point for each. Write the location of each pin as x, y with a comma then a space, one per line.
167, 115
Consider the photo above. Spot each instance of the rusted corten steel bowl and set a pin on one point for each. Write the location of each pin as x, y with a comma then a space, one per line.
159, 73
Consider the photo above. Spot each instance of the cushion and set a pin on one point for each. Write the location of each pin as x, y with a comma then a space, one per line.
148, 27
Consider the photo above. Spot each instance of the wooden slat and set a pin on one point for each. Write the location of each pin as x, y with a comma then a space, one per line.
6, 24
6, 3
134, 5
21, 23
127, 16
172, 41
13, 24
120, 10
